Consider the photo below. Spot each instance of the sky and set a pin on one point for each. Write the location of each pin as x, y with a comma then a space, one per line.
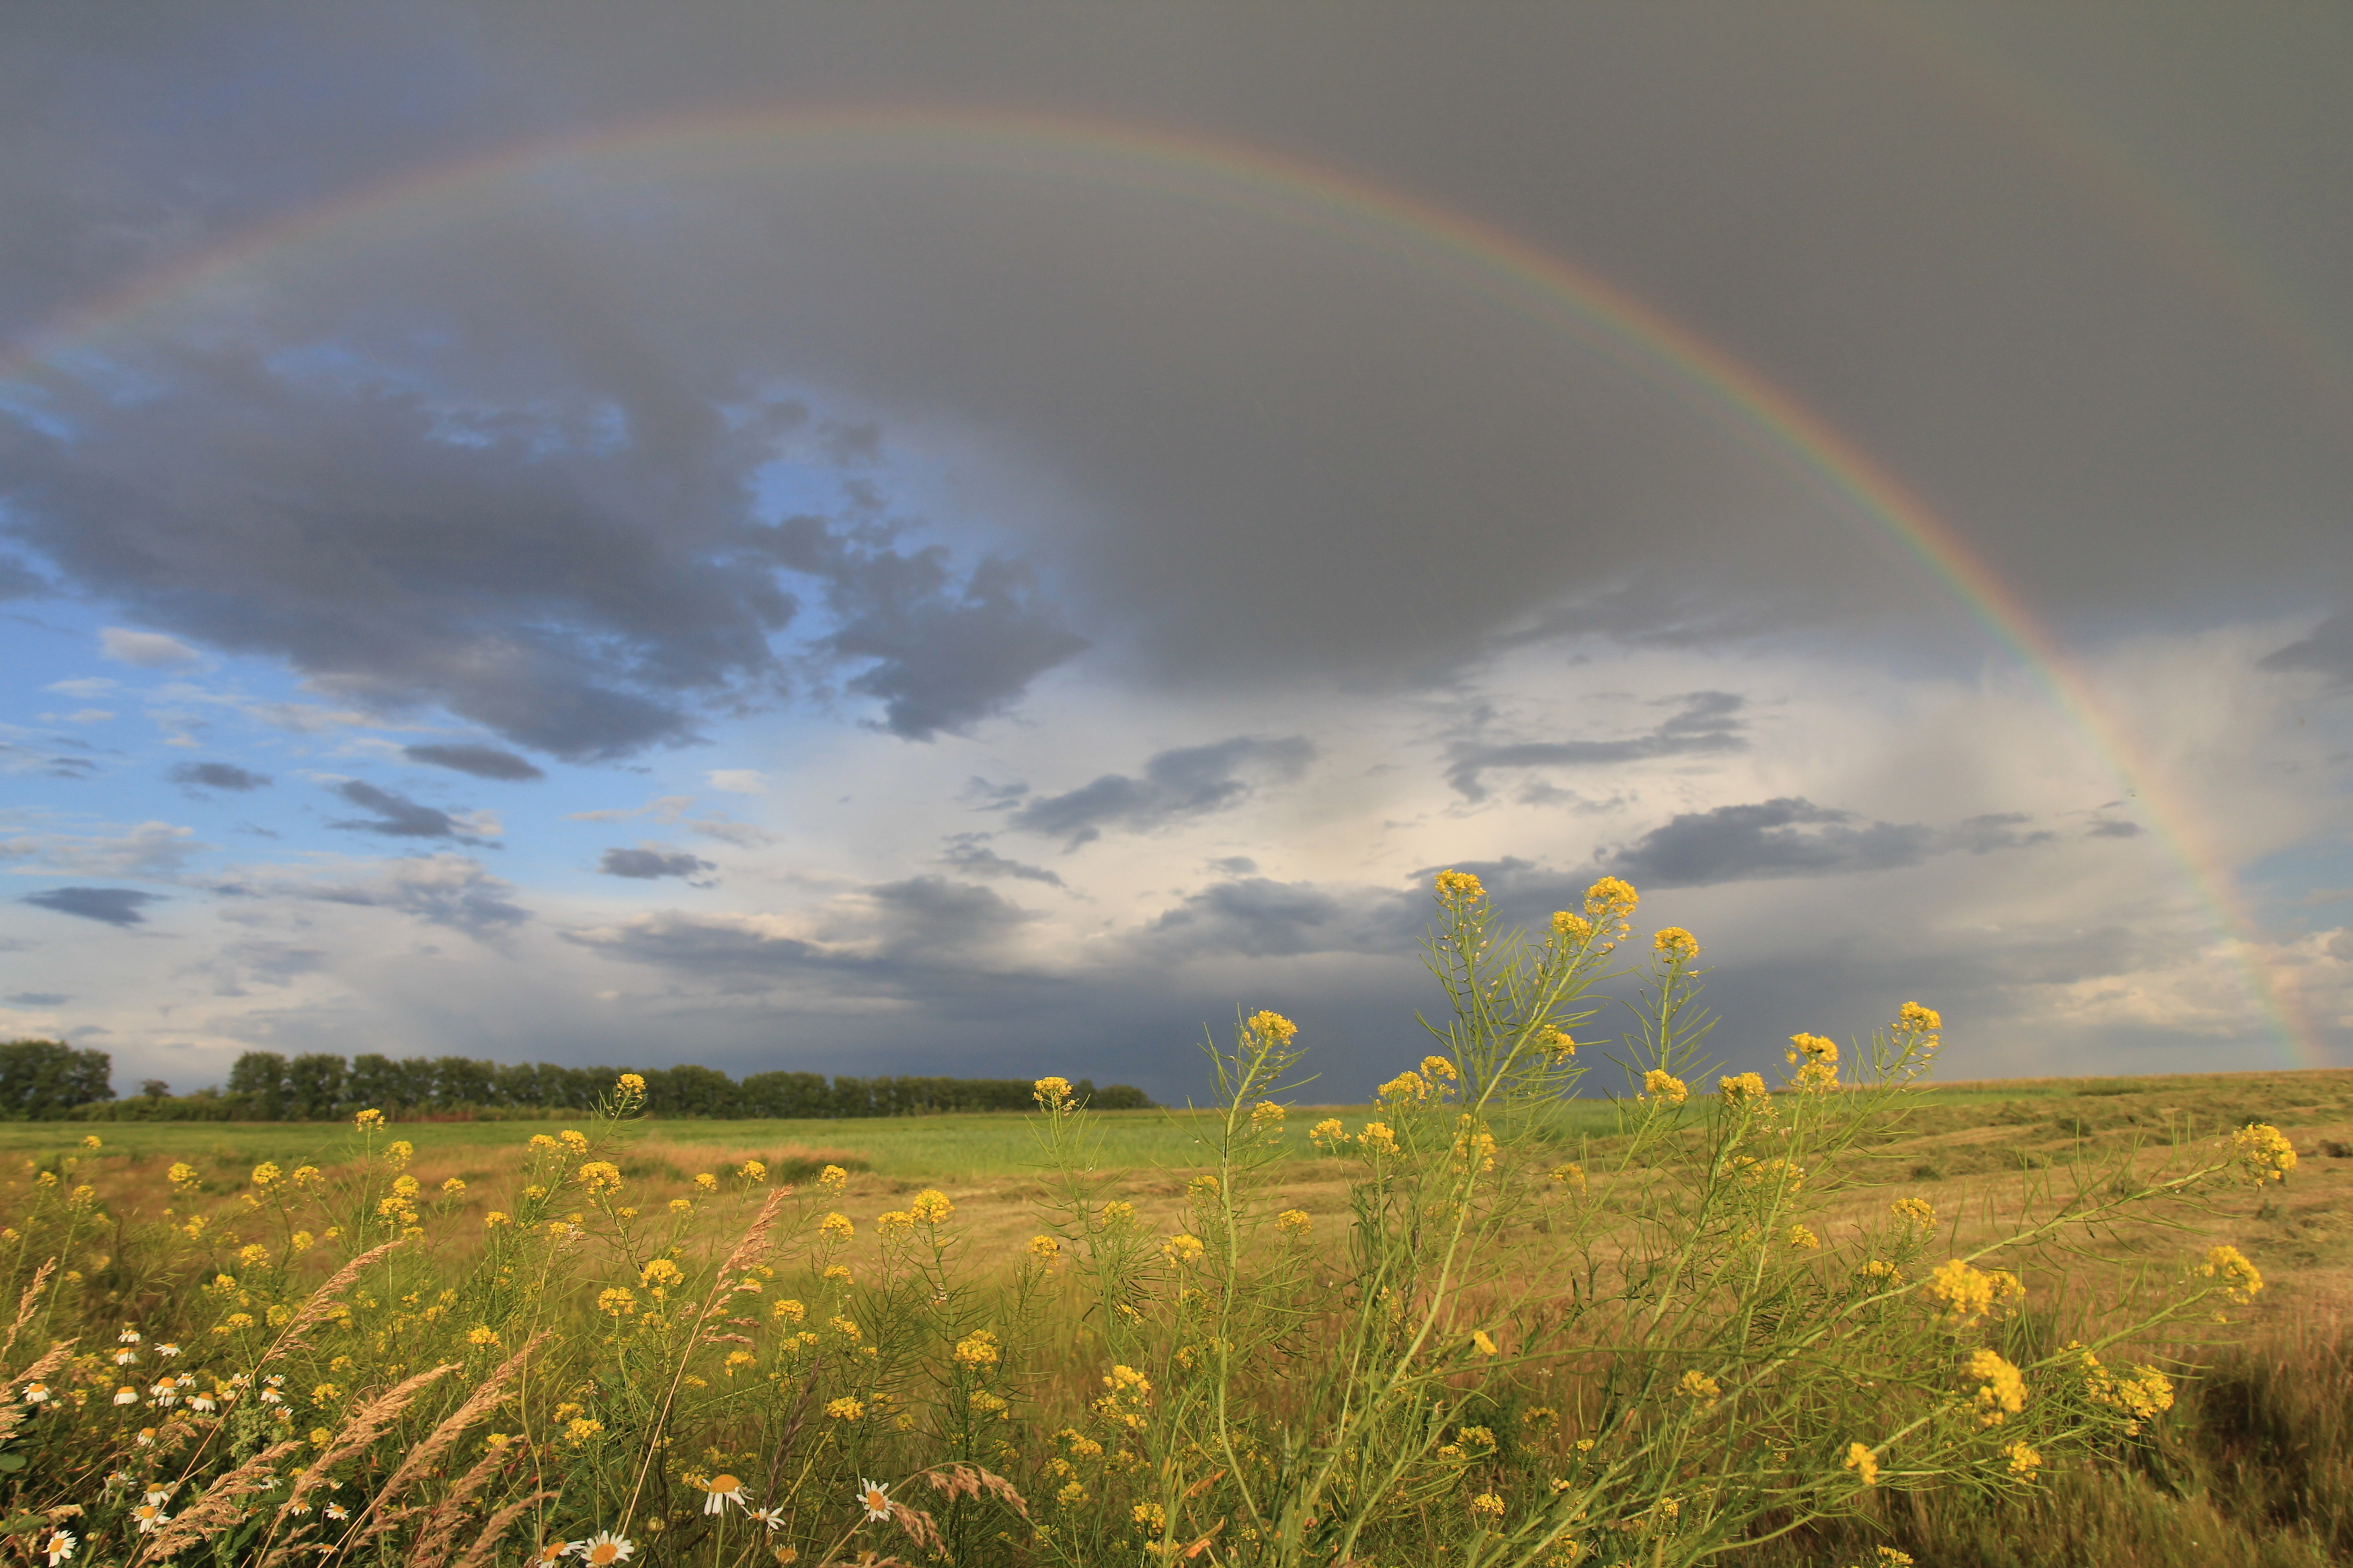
986, 540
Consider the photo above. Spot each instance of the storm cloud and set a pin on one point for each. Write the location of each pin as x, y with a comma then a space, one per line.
482, 762
649, 862
397, 817
218, 775
1188, 782
112, 906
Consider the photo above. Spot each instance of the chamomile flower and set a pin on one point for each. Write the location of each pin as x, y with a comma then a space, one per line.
602, 1547
723, 1490
874, 1497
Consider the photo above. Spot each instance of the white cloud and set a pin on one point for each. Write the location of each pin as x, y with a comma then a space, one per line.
739, 781
148, 651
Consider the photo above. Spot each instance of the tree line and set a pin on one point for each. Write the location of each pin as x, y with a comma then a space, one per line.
44, 1079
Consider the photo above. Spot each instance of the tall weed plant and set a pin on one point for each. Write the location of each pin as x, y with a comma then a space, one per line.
1666, 1347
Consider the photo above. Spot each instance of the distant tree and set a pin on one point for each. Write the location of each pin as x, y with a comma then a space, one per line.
155, 1087
258, 1079
47, 1078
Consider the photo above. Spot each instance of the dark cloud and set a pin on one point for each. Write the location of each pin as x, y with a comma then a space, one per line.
38, 998
19, 581
483, 762
397, 815
2329, 650
976, 860
1234, 865
650, 861
1792, 837
217, 775
114, 906
1707, 722
402, 550
1190, 781
442, 890
25, 759
938, 654
2114, 828
1256, 918
924, 936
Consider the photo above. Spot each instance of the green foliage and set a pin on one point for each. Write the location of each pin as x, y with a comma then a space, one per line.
42, 1079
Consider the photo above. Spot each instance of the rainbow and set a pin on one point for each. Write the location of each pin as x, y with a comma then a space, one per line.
1190, 165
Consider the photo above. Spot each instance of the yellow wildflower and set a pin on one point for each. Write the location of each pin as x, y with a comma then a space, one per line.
833, 1178
583, 1430
601, 1176
895, 1226
661, 1274
2262, 1151
1483, 1343
1742, 1090
630, 1086
837, 1229
2001, 1393
264, 1174
1487, 1507
1271, 1027
454, 1187
2023, 1460
1700, 1388
1914, 1019
1328, 1134
496, 1218
1053, 1092
1117, 1214
977, 1349
2230, 1266
753, 1171
1293, 1222
845, 1408
617, 1301
1664, 1085
1570, 1175
1571, 928
575, 1141
931, 1207
1182, 1249
1377, 1138
1610, 901
1675, 945
481, 1335
1804, 1239
1045, 1246
1456, 886
1918, 1214
1556, 1044
1406, 1088
1864, 1463
368, 1121
1266, 1118
789, 1311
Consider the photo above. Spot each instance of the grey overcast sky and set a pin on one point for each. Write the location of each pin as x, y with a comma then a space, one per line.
984, 538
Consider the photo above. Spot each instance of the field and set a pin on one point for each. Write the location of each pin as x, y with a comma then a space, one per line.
2253, 1464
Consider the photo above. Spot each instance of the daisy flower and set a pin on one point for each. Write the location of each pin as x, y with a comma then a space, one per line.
61, 1546
148, 1515
874, 1497
604, 1547
723, 1490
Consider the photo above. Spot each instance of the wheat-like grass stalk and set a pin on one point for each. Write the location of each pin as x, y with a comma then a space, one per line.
13, 1415
444, 1436
323, 1301
364, 1427
438, 1536
479, 1555
219, 1506
24, 1304
746, 1252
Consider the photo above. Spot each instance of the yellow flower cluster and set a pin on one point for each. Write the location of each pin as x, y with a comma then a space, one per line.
1458, 886
1272, 1027
1864, 1463
2001, 1387
1556, 1044
1675, 945
1611, 902
930, 1208
600, 1177
1817, 1061
1965, 1295
1743, 1090
1293, 1222
1328, 1135
1127, 1391
1045, 1246
2230, 1266
1700, 1388
976, 1349
2024, 1459
2142, 1395
1804, 1239
1916, 1213
1664, 1087
1182, 1249
1053, 1093
2262, 1151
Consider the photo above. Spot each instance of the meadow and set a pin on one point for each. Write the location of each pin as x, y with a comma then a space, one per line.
1494, 1316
